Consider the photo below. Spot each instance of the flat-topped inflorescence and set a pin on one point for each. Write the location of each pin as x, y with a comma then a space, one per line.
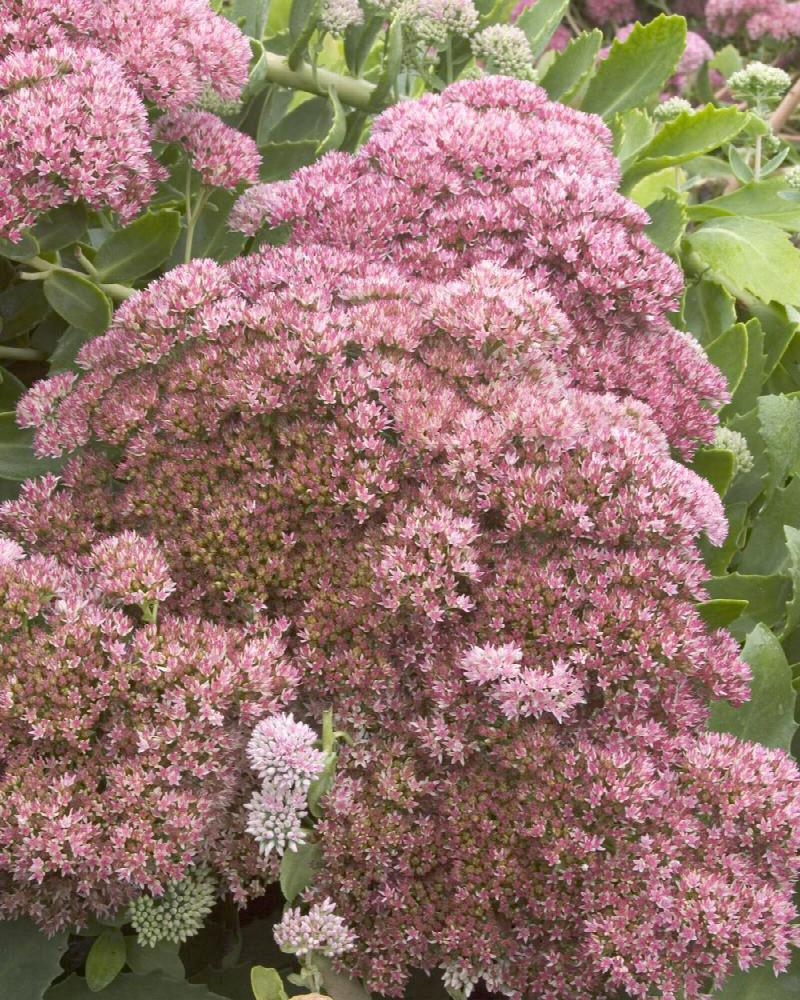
492, 170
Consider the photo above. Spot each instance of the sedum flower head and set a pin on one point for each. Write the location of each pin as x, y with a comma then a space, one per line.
667, 110
123, 745
72, 128
222, 156
753, 19
275, 817
735, 442
132, 570
505, 49
178, 913
492, 170
792, 176
430, 23
336, 16
320, 930
449, 482
282, 753
757, 81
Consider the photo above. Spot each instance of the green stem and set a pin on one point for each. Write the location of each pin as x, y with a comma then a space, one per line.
448, 57
757, 159
21, 353
327, 730
191, 218
356, 93
118, 292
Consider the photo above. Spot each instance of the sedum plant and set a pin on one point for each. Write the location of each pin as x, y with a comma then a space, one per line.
442, 437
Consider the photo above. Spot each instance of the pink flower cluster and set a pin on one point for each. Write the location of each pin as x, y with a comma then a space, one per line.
755, 18
122, 744
223, 156
71, 129
453, 482
491, 170
74, 79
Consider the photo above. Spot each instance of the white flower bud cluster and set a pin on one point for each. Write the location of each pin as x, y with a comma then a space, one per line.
504, 49
759, 81
735, 442
671, 108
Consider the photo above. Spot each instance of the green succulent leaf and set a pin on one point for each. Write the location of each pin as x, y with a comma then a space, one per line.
718, 614
297, 869
757, 201
687, 136
570, 68
708, 310
637, 68
78, 300
106, 959
22, 249
29, 960
667, 223
729, 353
61, 227
748, 255
768, 717
10, 390
338, 129
139, 248
539, 22
267, 984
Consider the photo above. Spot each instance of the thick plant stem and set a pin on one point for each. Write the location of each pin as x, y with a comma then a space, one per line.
21, 354
356, 93
785, 110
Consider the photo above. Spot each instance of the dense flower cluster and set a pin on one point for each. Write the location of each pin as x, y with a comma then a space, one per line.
74, 79
282, 753
492, 170
754, 18
71, 128
320, 930
430, 23
452, 485
223, 156
605, 11
178, 913
336, 16
169, 51
122, 744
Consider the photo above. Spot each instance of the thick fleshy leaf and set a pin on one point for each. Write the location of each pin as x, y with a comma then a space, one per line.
10, 390
17, 460
297, 869
687, 136
129, 987
779, 420
637, 68
338, 129
29, 960
757, 201
22, 306
22, 249
763, 984
667, 223
768, 717
61, 227
729, 353
718, 614
708, 310
340, 987
766, 598
105, 960
539, 22
571, 67
765, 551
162, 958
267, 984
748, 255
717, 466
139, 248
78, 300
